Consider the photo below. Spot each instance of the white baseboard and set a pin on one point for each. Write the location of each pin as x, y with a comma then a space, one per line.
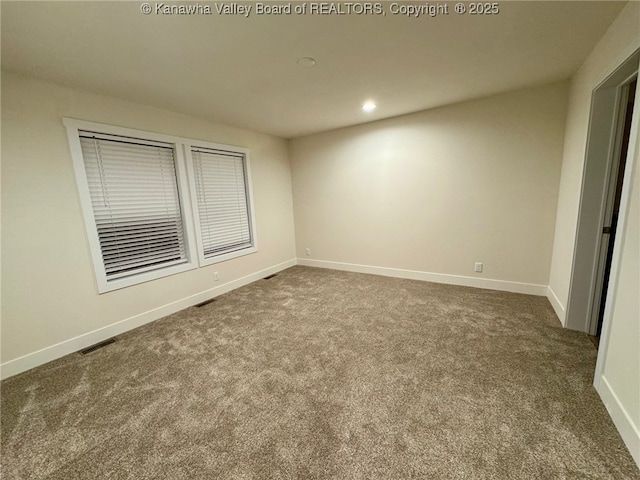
515, 287
628, 431
40, 357
556, 304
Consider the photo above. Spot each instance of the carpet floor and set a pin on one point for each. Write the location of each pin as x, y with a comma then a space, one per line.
320, 374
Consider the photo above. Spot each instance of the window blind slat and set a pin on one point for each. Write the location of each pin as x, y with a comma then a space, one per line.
140, 244
134, 233
134, 195
221, 194
139, 269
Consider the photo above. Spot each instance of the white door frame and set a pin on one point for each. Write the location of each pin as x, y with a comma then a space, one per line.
610, 193
605, 103
633, 160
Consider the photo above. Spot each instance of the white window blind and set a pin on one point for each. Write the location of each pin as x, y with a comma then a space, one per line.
223, 205
135, 200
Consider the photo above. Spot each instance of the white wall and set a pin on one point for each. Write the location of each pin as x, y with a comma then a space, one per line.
619, 385
620, 41
49, 288
437, 190
619, 353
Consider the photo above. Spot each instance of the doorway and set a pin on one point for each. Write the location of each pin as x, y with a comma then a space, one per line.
602, 178
613, 195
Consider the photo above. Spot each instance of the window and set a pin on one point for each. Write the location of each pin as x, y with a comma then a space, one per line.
150, 201
134, 195
223, 207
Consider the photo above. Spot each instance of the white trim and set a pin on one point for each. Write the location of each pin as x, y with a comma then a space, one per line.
586, 250
187, 207
556, 304
625, 204
105, 285
628, 431
87, 212
603, 117
31, 360
607, 206
487, 283
191, 178
188, 202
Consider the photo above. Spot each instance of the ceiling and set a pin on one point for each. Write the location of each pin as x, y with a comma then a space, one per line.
242, 71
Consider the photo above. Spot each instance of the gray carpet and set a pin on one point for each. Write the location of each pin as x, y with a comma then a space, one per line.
318, 374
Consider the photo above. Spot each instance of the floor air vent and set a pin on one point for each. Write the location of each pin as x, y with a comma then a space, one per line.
98, 346
269, 277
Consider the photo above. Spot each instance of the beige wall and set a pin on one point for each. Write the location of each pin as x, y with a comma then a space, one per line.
437, 190
620, 41
49, 288
433, 191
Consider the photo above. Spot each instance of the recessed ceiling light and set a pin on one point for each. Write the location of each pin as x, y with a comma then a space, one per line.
369, 106
306, 62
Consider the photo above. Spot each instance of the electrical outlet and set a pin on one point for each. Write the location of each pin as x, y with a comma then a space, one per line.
479, 267
307, 252
215, 276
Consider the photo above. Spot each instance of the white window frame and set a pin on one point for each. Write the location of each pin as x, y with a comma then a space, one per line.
188, 146
186, 192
